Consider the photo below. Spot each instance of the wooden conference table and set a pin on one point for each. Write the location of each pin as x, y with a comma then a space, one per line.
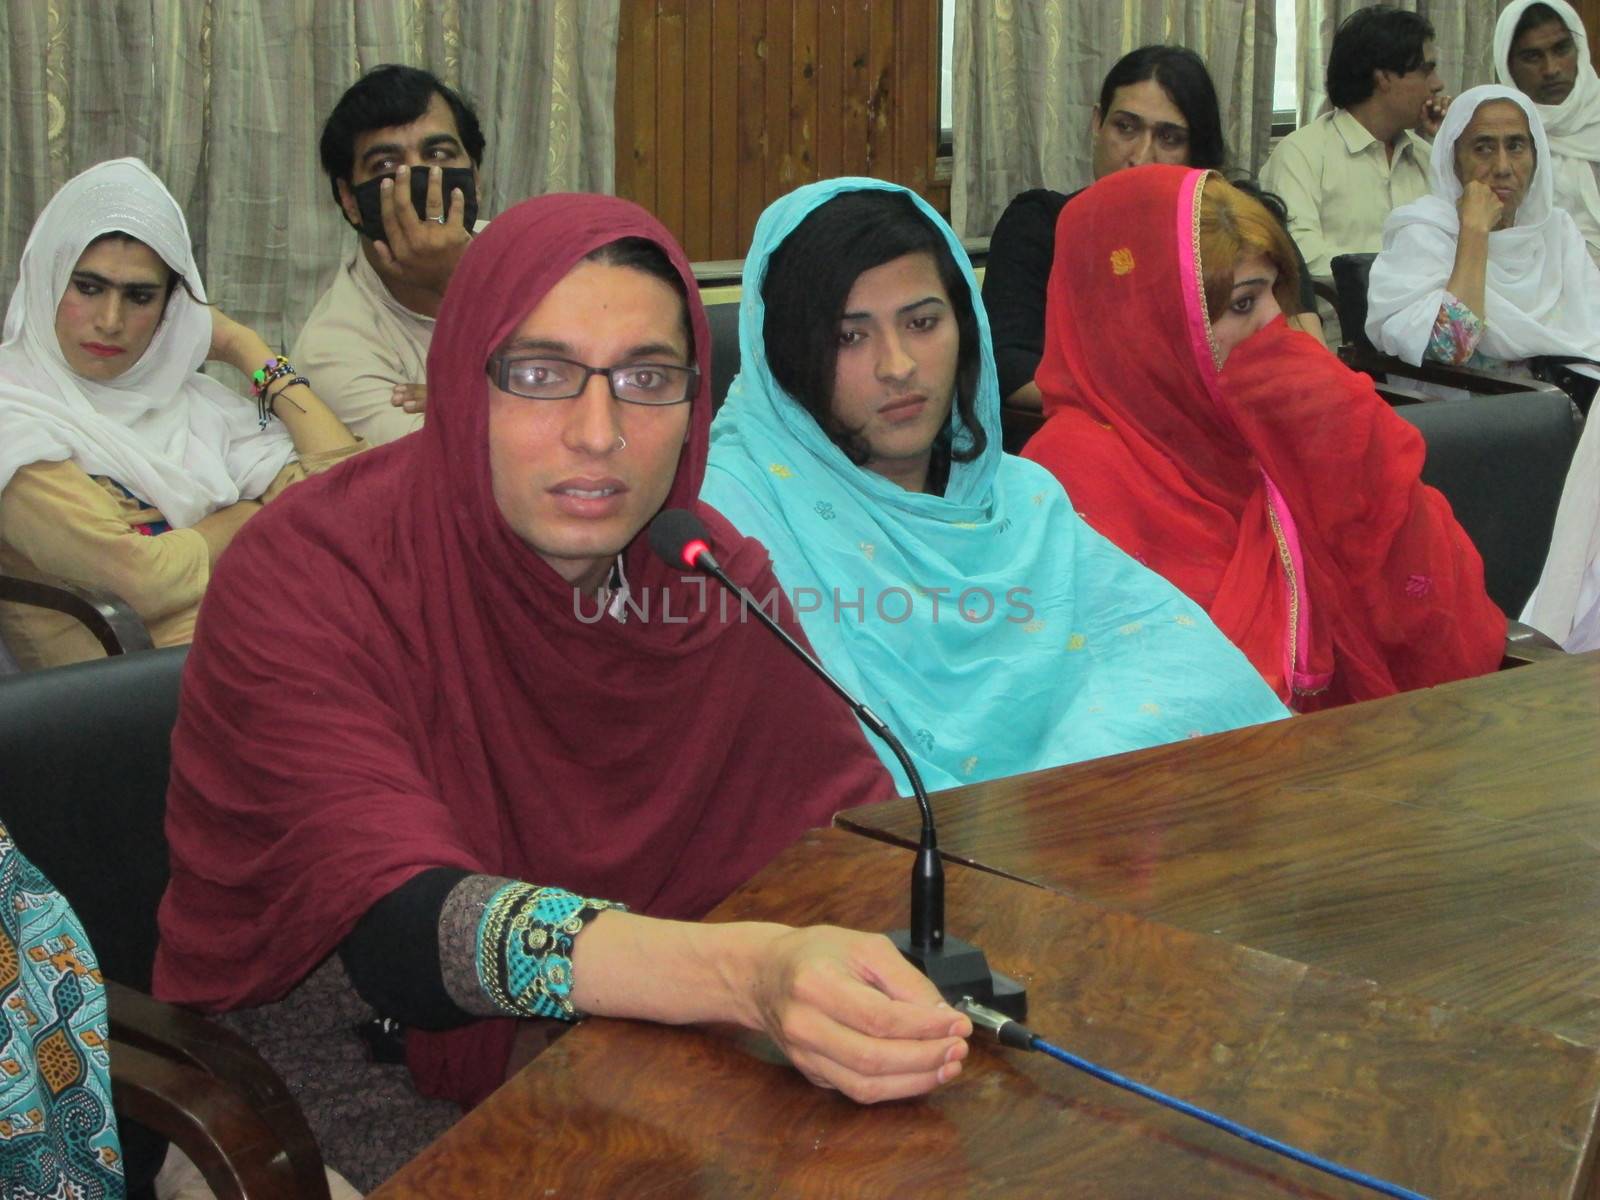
1441, 844
1445, 842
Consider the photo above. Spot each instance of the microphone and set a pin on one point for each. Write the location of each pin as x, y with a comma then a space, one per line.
957, 968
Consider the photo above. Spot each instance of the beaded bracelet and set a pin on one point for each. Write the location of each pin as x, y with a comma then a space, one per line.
275, 368
524, 953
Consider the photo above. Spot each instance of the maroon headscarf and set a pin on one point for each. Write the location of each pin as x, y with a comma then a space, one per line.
387, 679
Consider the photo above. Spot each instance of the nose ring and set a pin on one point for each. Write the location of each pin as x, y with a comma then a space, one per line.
622, 442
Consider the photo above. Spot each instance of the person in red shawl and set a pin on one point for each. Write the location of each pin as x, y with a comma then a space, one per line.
1241, 460
446, 713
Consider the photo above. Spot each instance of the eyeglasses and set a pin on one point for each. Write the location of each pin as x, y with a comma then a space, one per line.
561, 379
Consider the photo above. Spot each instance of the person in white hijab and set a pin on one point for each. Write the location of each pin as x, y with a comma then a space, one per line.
1566, 603
1485, 271
1545, 54
108, 433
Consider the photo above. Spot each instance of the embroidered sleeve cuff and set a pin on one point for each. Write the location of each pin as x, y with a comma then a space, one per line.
525, 948
1457, 330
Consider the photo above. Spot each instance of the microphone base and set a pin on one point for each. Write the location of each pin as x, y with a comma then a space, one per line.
959, 969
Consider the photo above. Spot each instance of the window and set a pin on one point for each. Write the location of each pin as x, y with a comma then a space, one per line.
1286, 75
947, 62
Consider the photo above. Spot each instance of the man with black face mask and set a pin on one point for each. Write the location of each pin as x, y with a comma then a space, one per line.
402, 151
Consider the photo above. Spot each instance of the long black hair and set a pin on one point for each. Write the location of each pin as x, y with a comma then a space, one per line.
1183, 76
809, 279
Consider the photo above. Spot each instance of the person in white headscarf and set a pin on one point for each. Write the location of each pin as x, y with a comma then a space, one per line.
1485, 271
1541, 48
1566, 603
121, 467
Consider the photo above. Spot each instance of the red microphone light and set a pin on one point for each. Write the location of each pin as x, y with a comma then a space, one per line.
678, 538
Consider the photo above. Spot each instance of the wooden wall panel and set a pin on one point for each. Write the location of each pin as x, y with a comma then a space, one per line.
698, 107
856, 158
670, 111
724, 105
1589, 10
747, 173
830, 91
803, 95
723, 241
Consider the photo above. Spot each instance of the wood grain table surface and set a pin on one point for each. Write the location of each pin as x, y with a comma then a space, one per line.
1430, 1095
1445, 843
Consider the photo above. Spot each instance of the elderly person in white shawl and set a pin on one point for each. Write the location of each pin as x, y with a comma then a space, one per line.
121, 467
1486, 271
1541, 49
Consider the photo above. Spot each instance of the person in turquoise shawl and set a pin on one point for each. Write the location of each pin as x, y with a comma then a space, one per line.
58, 1134
948, 584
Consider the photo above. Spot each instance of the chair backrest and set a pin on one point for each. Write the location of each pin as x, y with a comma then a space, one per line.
1351, 273
1501, 462
84, 757
724, 321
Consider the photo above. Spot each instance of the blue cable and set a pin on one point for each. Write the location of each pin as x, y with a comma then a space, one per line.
1239, 1131
1018, 1036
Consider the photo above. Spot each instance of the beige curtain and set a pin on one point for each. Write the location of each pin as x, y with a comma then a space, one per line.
1463, 37
1027, 74
225, 100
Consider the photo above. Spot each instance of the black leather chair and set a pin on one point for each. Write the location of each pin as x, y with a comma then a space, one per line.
1501, 463
84, 759
1351, 275
724, 321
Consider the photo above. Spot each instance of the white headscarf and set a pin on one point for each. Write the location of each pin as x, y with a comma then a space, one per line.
1541, 290
1573, 126
180, 442
1566, 604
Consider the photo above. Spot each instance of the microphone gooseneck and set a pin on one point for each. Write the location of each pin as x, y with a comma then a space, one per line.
678, 537
956, 967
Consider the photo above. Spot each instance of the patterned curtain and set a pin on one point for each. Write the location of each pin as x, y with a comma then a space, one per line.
225, 100
1027, 75
1463, 37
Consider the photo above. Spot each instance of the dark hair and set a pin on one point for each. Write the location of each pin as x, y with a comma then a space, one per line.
641, 254
1379, 38
385, 96
807, 282
174, 279
1183, 76
1534, 16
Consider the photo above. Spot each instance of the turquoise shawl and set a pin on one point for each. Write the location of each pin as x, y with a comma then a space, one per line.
990, 627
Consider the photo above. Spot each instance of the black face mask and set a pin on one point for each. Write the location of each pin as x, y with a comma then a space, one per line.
370, 202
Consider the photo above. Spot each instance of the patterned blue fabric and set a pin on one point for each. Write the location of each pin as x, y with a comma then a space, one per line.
525, 948
58, 1135
150, 529
990, 627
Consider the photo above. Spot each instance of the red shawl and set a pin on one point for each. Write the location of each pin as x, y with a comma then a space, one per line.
1281, 493
386, 679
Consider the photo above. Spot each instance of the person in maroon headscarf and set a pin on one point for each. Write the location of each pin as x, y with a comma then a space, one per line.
430, 737
1241, 460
